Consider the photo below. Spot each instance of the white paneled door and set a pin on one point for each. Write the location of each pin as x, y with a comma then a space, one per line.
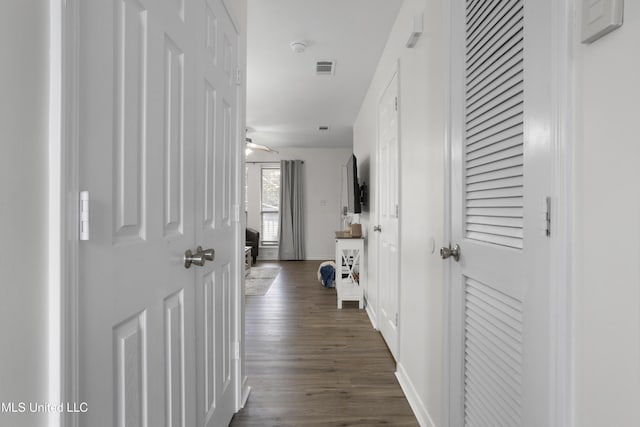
501, 143
388, 214
158, 106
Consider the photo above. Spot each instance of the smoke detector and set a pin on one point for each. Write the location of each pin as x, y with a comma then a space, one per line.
298, 46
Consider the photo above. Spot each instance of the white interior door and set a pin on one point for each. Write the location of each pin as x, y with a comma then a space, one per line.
500, 180
388, 187
146, 323
216, 223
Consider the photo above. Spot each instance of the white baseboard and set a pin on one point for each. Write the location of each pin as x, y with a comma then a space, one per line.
246, 391
410, 393
372, 316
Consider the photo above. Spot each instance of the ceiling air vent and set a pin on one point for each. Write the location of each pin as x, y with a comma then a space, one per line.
325, 68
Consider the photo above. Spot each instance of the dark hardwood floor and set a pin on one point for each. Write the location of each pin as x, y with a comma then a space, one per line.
312, 364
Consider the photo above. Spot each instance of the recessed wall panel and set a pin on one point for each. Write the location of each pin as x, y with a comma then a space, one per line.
129, 120
209, 339
228, 59
130, 371
174, 360
227, 135
212, 34
173, 137
226, 325
209, 179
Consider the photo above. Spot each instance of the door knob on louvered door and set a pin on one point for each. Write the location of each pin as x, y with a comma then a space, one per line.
448, 252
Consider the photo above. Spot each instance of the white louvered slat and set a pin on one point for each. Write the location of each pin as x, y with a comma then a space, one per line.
493, 175
493, 357
494, 158
498, 127
492, 118
496, 31
513, 132
501, 165
494, 212
492, 203
506, 100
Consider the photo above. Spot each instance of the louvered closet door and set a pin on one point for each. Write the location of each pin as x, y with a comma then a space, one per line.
500, 374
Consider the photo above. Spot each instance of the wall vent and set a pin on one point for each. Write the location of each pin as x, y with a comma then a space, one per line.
325, 68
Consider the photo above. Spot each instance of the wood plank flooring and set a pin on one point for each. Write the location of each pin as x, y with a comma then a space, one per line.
314, 365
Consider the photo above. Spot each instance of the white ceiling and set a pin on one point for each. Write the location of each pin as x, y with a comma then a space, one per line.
286, 101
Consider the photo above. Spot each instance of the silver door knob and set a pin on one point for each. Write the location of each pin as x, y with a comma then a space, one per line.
190, 258
377, 228
209, 254
448, 252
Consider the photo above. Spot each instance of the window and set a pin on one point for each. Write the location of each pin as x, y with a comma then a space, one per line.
270, 205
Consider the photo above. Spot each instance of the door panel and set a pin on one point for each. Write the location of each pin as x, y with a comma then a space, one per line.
155, 339
388, 252
500, 161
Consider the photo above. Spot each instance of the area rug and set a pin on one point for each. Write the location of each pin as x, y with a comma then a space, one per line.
259, 280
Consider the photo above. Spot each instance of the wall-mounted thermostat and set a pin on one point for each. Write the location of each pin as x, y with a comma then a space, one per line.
600, 17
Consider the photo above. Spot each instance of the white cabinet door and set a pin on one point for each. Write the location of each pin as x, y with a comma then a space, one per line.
500, 180
155, 338
388, 211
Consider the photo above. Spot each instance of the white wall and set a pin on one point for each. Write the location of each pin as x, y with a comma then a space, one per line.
322, 174
24, 76
422, 108
607, 228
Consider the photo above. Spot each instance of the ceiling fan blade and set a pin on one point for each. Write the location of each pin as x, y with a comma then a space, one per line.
255, 146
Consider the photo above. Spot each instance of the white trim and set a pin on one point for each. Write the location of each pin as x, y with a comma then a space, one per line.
69, 184
563, 143
419, 410
242, 389
372, 315
56, 226
453, 402
446, 225
246, 391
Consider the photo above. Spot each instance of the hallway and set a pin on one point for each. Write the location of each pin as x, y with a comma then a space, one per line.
311, 364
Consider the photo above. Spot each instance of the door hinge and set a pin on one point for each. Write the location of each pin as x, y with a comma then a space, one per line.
84, 215
238, 77
397, 211
236, 350
396, 320
236, 213
548, 217
396, 103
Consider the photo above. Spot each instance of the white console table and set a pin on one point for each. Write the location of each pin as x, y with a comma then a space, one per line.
349, 259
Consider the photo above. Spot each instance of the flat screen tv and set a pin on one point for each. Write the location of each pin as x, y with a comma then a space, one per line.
353, 189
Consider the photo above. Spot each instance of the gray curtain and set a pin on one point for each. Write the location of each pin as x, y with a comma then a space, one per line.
291, 211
